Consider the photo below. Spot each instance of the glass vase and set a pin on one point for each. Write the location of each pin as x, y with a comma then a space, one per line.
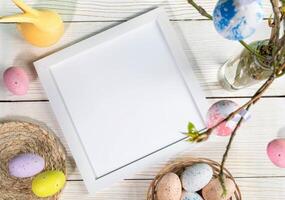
244, 69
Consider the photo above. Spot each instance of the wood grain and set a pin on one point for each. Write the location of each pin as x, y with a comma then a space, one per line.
110, 10
257, 177
251, 188
247, 157
207, 52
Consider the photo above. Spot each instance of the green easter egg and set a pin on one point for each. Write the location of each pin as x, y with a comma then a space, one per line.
48, 183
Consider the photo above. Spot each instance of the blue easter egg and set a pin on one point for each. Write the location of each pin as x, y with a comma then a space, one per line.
190, 196
237, 19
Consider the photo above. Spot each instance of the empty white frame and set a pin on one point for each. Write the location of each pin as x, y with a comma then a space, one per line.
123, 97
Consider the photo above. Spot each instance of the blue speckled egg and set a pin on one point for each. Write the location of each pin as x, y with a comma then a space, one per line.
237, 19
197, 176
26, 165
190, 196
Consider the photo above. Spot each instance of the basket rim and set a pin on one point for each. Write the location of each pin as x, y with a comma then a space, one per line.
186, 162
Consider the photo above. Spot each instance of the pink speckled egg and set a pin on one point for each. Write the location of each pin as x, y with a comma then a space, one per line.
219, 111
26, 165
276, 152
16, 80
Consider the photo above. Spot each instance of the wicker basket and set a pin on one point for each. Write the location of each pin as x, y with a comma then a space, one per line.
21, 137
179, 166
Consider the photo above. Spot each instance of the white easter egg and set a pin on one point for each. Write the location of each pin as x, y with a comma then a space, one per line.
197, 176
190, 196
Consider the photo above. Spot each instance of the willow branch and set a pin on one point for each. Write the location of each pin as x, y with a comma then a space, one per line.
280, 72
225, 156
200, 9
256, 97
276, 27
250, 49
281, 44
253, 100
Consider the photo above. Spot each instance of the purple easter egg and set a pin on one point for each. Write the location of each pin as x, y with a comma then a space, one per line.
16, 80
26, 165
276, 152
218, 112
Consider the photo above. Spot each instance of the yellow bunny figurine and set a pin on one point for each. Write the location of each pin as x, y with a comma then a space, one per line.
41, 28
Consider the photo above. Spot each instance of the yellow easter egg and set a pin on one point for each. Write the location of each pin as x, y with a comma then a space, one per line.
48, 183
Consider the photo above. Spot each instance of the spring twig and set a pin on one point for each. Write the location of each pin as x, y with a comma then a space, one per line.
225, 156
278, 46
256, 97
277, 20
200, 9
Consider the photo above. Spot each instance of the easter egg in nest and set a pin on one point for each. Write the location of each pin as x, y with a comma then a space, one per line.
214, 190
26, 165
195, 177
169, 187
190, 196
48, 183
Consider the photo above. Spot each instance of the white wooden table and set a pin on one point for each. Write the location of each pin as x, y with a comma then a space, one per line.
248, 162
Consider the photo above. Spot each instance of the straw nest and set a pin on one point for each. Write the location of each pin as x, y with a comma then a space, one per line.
179, 166
18, 137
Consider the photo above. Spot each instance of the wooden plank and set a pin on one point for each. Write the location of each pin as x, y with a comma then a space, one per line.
247, 157
251, 188
209, 51
106, 10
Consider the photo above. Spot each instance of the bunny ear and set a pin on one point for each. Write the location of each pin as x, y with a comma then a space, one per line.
24, 7
19, 18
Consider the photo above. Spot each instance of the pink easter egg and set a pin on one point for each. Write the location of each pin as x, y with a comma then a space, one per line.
218, 112
16, 80
276, 152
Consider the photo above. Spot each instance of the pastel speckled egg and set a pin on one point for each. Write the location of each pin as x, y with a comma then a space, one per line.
217, 112
196, 177
26, 165
276, 152
169, 187
48, 183
237, 19
16, 80
190, 196
214, 191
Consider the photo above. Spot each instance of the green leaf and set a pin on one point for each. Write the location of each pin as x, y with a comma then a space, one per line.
191, 128
190, 140
192, 135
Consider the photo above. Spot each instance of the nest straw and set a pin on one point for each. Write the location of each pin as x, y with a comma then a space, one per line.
18, 137
179, 166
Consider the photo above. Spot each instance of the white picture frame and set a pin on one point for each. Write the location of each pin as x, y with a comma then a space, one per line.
60, 81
